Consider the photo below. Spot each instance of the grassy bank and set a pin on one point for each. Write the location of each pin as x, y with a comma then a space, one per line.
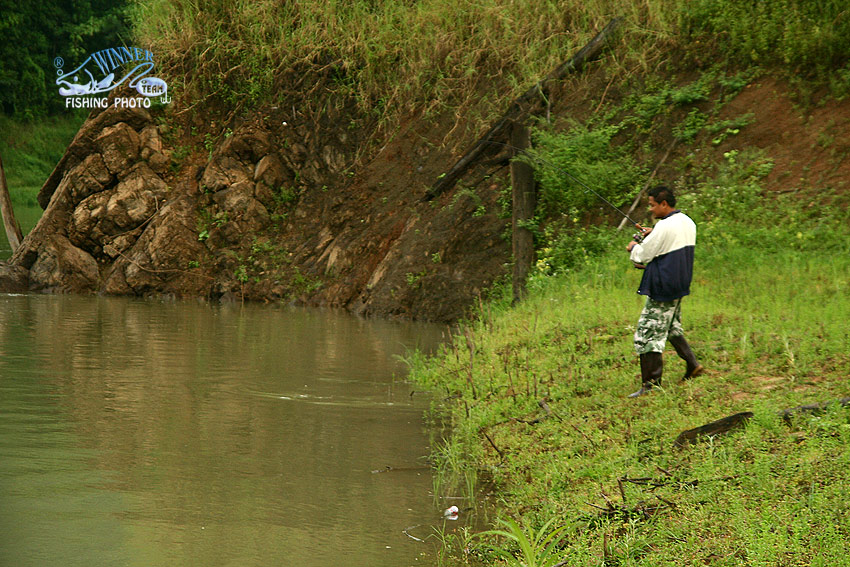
767, 315
30, 150
392, 58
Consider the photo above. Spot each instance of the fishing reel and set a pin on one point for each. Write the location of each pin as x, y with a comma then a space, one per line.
638, 237
641, 233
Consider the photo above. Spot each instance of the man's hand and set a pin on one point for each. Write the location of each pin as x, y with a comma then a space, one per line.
644, 230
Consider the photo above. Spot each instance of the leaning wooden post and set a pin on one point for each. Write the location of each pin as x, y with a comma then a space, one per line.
524, 197
13, 229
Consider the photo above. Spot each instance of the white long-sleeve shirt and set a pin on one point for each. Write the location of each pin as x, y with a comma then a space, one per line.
668, 253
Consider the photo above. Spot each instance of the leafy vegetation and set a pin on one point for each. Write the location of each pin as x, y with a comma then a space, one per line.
539, 550
805, 37
35, 33
567, 163
579, 166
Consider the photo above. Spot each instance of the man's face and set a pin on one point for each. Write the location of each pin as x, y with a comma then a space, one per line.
658, 210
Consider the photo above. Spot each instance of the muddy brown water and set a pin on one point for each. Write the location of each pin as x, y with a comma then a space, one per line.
154, 433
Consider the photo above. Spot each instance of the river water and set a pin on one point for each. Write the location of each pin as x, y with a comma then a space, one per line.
177, 433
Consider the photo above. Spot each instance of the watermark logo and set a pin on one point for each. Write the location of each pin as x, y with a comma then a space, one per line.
97, 75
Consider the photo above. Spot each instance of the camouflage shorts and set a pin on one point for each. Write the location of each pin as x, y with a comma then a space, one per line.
658, 320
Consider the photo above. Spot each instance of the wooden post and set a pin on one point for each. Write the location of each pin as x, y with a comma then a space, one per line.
13, 229
524, 197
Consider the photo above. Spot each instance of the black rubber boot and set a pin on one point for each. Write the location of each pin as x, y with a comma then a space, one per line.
651, 368
693, 368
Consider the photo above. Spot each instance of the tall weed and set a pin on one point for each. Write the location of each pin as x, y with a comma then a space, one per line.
395, 57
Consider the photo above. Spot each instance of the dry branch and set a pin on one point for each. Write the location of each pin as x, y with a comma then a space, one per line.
527, 103
545, 406
10, 223
492, 444
812, 408
646, 186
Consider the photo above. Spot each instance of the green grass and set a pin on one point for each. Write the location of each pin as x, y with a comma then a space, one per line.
387, 57
767, 316
393, 58
30, 149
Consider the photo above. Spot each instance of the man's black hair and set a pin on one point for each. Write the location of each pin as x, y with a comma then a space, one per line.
663, 193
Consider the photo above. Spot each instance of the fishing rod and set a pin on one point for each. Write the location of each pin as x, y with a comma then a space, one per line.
638, 237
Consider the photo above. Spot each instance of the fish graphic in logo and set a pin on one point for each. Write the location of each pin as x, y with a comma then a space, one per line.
71, 84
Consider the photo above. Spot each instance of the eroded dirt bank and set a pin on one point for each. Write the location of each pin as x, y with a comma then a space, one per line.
275, 209
282, 208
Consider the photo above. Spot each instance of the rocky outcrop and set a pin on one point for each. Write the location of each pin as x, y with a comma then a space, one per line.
14, 279
112, 223
272, 210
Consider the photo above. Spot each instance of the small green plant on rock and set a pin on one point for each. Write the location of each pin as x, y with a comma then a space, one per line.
304, 284
178, 155
207, 221
414, 279
285, 196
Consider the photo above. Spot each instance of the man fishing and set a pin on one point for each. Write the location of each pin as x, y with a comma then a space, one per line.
667, 256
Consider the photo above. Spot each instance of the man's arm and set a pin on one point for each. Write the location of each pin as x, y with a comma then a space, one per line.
646, 251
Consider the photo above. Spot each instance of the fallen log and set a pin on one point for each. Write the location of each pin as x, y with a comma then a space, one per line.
521, 107
738, 420
718, 427
787, 414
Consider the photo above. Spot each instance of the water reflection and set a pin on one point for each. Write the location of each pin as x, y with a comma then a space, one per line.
139, 432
